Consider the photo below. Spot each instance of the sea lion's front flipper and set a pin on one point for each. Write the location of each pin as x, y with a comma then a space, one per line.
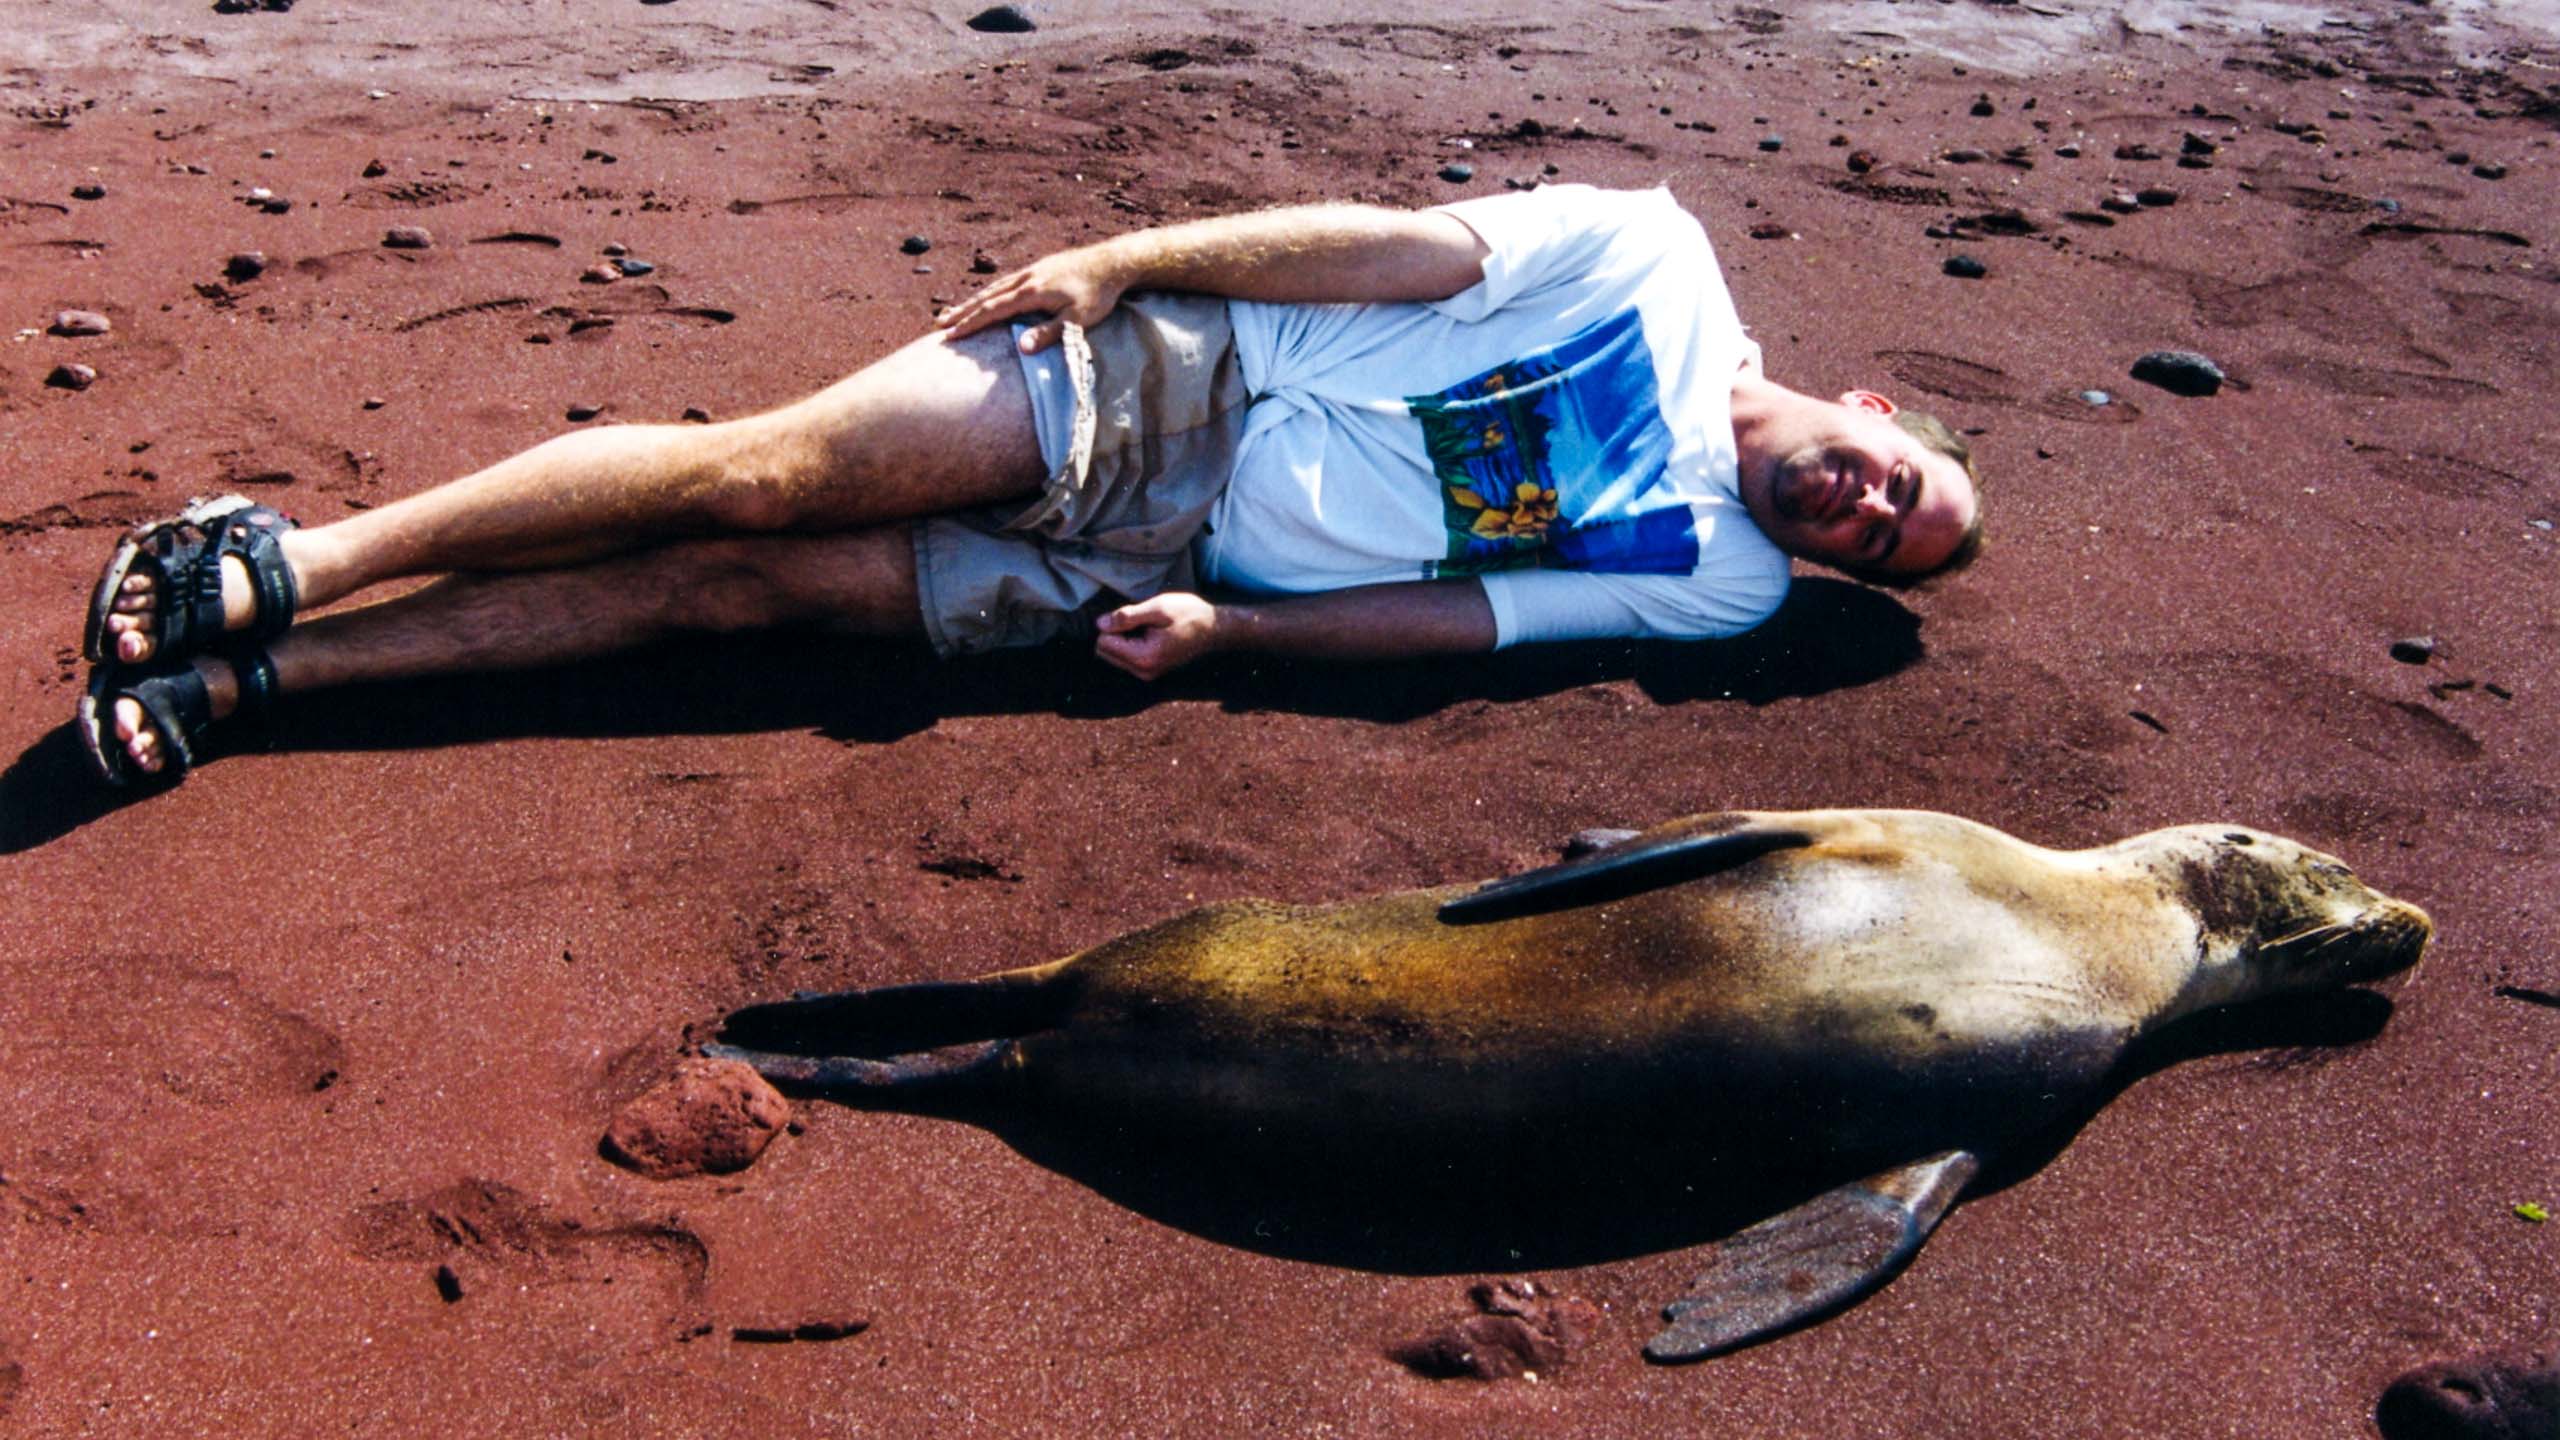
1630, 867
845, 1076
1818, 1257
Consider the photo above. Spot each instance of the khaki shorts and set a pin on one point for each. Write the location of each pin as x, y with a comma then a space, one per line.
1160, 403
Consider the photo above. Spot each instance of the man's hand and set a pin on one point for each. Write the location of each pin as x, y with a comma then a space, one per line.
1079, 285
1159, 635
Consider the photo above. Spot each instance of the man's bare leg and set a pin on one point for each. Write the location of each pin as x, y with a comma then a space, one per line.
862, 580
937, 426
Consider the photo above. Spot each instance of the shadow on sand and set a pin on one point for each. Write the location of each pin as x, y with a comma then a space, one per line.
1540, 1201
1830, 635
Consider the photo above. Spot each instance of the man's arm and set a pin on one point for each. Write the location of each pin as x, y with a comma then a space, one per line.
1312, 253
1371, 622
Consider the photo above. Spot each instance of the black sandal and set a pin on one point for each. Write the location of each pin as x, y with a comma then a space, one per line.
177, 706
186, 553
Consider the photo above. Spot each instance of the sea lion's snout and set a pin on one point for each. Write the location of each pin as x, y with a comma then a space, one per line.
2355, 934
2294, 917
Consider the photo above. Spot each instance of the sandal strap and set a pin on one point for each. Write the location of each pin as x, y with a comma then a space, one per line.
191, 587
177, 704
255, 534
255, 673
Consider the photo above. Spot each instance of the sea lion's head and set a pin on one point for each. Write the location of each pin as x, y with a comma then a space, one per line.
2274, 916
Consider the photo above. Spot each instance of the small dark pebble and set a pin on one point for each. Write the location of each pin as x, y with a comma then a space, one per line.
375, 170
2414, 649
71, 377
2457, 157
604, 157
2195, 144
1457, 172
1002, 20
1861, 161
585, 412
2180, 372
88, 192
695, 414
247, 265
1770, 230
2156, 195
616, 249
1965, 155
914, 245
982, 263
2195, 162
1772, 143
448, 1284
1966, 267
2067, 151
275, 205
76, 323
811, 1330
2490, 170
408, 237
629, 266
374, 402
1982, 105
2136, 151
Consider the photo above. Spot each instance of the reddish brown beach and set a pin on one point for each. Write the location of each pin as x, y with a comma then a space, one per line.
307, 1061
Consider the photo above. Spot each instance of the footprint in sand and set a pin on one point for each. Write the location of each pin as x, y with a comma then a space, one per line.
477, 1231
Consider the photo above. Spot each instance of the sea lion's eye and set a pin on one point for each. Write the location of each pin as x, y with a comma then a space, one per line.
2241, 837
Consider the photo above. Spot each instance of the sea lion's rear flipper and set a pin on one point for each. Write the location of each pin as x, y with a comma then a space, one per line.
1816, 1258
1648, 862
844, 1077
902, 1019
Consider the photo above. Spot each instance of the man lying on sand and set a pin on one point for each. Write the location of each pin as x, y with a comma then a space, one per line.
1383, 433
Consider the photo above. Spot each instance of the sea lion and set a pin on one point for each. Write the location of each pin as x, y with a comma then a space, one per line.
1894, 989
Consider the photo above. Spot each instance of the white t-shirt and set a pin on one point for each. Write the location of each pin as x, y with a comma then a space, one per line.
1562, 430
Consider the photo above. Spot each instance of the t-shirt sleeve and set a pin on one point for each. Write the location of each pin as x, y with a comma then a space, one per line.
1537, 237
1732, 590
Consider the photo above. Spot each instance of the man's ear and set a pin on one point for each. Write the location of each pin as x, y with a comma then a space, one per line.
1868, 400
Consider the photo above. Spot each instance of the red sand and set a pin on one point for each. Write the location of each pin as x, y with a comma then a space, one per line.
286, 1042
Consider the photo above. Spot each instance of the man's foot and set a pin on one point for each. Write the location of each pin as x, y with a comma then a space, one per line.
150, 724
133, 621
176, 587
141, 739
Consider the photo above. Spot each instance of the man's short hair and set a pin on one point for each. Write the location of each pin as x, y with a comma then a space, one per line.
1933, 432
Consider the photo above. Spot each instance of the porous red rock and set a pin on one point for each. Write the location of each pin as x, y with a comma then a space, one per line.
1521, 1329
712, 1117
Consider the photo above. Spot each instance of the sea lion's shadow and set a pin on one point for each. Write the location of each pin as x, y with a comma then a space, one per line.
1829, 635
1542, 1202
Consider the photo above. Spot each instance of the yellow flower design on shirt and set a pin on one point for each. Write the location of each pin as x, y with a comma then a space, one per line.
1532, 510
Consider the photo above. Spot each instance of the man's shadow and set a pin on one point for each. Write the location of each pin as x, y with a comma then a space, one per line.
1829, 635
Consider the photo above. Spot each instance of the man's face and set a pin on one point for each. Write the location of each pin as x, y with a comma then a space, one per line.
1849, 487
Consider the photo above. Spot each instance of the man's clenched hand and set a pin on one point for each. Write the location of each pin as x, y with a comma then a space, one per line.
1159, 635
1079, 285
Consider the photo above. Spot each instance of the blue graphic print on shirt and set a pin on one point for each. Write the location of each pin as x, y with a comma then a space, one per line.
1555, 460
